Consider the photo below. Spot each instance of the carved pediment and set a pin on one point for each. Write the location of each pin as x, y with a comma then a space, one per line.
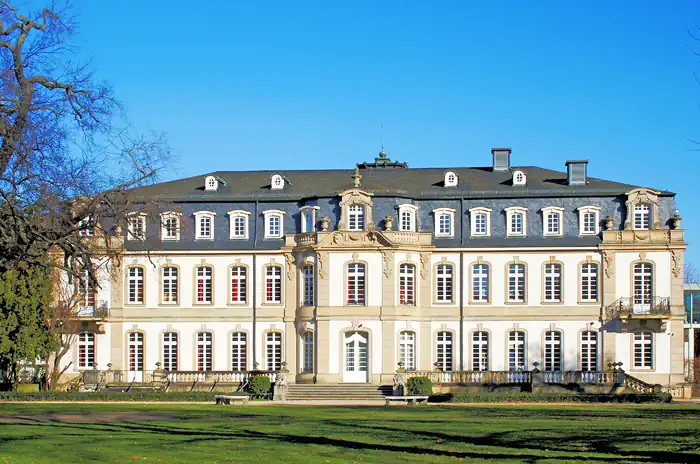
355, 197
643, 195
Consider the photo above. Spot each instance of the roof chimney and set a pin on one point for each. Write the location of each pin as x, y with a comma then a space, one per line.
501, 159
576, 172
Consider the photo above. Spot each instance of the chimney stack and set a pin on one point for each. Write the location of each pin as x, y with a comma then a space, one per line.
501, 159
576, 172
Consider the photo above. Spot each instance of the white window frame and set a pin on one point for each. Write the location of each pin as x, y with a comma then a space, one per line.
170, 346
444, 350
444, 277
207, 281
408, 212
519, 178
640, 340
205, 343
131, 222
308, 284
359, 284
437, 214
86, 227
135, 351
588, 350
306, 213
86, 350
273, 351
239, 351
199, 217
589, 282
273, 276
211, 183
241, 278
510, 213
481, 282
164, 217
173, 284
646, 211
473, 214
554, 211
643, 286
480, 350
407, 284
553, 282
232, 216
553, 352
582, 211
407, 349
451, 179
139, 285
514, 286
276, 182
307, 349
274, 213
358, 212
517, 350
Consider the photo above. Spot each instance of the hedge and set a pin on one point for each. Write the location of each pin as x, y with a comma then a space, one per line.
153, 396
259, 386
420, 386
551, 398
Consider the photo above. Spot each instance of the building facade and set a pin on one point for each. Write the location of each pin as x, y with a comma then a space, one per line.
344, 274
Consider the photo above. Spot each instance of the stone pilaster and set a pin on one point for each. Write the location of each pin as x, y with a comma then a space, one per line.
388, 351
291, 348
425, 357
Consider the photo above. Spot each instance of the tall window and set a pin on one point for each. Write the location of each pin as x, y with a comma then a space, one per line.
86, 350
480, 282
444, 351
589, 222
204, 285
86, 227
356, 284
274, 226
135, 351
135, 285
86, 292
273, 223
170, 229
588, 219
204, 351
552, 350
552, 282
307, 276
239, 227
444, 283
642, 216
643, 278
170, 285
406, 220
516, 224
137, 227
589, 351
516, 283
308, 218
407, 294
480, 221
238, 224
445, 224
307, 343
205, 225
643, 350
552, 221
407, 350
273, 351
238, 284
170, 351
239, 351
516, 221
517, 361
589, 282
273, 284
480, 351
480, 224
356, 217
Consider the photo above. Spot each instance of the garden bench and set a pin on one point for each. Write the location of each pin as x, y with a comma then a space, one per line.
229, 399
411, 399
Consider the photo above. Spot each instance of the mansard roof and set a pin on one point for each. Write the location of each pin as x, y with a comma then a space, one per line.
417, 183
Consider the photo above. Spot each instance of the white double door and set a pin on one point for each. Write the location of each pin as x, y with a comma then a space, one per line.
355, 359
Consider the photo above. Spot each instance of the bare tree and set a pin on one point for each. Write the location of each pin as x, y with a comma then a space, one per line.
66, 167
690, 274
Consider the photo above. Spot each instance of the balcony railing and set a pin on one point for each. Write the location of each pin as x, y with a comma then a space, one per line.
216, 376
627, 308
91, 312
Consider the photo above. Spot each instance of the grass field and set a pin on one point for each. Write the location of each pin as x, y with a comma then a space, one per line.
124, 433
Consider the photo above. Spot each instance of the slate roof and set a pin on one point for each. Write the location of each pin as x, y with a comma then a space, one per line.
417, 183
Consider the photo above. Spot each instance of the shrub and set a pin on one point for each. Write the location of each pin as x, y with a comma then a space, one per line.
553, 398
151, 396
259, 386
420, 386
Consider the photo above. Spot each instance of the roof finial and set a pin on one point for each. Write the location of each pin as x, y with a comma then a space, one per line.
356, 177
382, 153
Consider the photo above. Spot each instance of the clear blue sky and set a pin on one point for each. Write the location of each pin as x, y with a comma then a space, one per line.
260, 85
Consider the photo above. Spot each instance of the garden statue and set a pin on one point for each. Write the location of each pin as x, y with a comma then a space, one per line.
400, 381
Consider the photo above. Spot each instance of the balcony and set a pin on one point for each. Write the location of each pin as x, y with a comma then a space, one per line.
625, 308
91, 312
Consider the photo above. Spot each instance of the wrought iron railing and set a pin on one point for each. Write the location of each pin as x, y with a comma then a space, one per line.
628, 307
91, 312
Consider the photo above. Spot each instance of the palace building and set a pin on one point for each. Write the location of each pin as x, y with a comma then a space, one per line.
345, 274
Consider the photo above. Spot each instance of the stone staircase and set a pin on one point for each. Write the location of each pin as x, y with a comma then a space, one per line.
346, 391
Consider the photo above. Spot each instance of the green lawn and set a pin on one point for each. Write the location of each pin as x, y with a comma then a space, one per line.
123, 433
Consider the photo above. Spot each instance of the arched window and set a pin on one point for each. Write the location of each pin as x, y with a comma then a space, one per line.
239, 351
307, 276
444, 351
170, 349
205, 284
519, 178
407, 295
273, 351
642, 216
643, 281
589, 282
407, 218
451, 179
407, 350
552, 282
517, 354
480, 221
204, 351
86, 350
589, 351
86, 294
210, 183
480, 283
480, 351
238, 284
516, 283
238, 224
356, 284
135, 285
204, 223
170, 226
643, 350
273, 284
444, 283
135, 348
307, 343
169, 282
356, 217
276, 182
552, 218
516, 217
552, 351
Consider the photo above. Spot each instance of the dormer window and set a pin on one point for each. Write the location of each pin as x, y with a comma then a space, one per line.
169, 226
210, 183
276, 182
238, 224
274, 223
407, 218
86, 227
356, 217
451, 179
204, 225
308, 218
589, 220
480, 221
519, 178
136, 228
642, 216
516, 219
444, 222
552, 221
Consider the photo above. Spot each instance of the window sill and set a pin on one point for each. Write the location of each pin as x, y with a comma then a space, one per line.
204, 238
238, 238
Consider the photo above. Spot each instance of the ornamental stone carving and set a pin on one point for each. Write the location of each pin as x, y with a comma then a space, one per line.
675, 263
609, 223
387, 262
325, 222
322, 258
424, 265
609, 260
290, 265
388, 222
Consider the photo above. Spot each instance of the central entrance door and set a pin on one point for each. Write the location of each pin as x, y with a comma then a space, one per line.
355, 369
